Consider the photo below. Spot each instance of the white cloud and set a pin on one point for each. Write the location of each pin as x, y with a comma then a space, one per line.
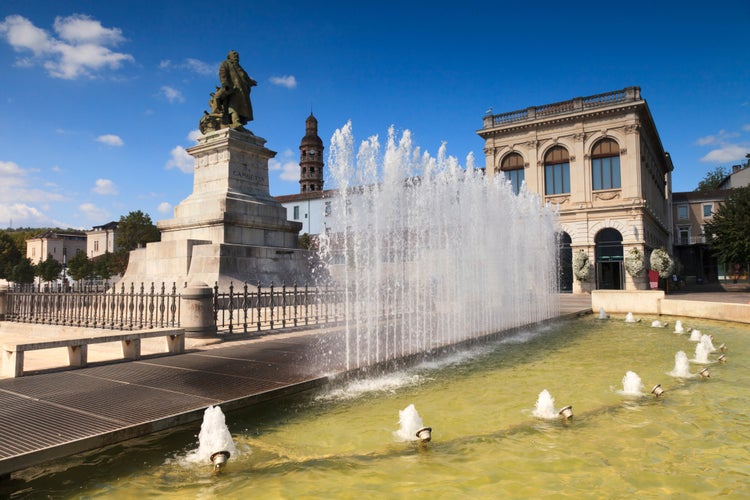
23, 203
180, 160
165, 64
104, 187
110, 140
746, 128
726, 154
81, 49
92, 212
201, 67
83, 29
164, 208
720, 137
194, 135
287, 166
172, 94
287, 81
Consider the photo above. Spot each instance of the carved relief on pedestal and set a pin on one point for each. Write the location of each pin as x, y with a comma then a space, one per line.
629, 129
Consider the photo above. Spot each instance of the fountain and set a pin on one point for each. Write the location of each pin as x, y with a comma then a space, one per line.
602, 314
545, 406
215, 444
708, 344
631, 384
336, 443
681, 366
659, 324
629, 318
695, 335
409, 246
411, 427
701, 353
678, 327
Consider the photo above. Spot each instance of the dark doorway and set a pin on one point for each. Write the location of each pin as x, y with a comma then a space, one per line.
609, 267
565, 263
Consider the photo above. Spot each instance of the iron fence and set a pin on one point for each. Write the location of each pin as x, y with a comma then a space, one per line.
247, 308
95, 306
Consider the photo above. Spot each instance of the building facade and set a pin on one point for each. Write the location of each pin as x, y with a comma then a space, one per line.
101, 240
690, 213
60, 246
600, 160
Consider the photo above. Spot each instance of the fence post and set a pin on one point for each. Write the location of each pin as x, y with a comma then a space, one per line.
4, 287
196, 310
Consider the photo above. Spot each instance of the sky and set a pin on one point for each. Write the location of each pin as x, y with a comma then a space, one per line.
100, 99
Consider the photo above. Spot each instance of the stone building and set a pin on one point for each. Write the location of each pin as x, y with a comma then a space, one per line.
60, 245
691, 211
600, 160
101, 240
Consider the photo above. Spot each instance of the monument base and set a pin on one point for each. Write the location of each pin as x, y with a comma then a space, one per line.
193, 261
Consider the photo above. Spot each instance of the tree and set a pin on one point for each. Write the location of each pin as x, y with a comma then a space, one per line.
49, 269
712, 179
79, 266
727, 232
662, 263
23, 272
10, 256
135, 230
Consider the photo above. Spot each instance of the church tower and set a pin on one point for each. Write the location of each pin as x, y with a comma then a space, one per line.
311, 158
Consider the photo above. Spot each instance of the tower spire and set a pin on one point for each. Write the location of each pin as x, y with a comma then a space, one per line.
311, 157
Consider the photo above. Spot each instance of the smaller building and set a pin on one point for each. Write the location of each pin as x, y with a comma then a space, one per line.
101, 240
690, 213
739, 177
57, 244
311, 208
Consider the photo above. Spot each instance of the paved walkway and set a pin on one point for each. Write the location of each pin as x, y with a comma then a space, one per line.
52, 415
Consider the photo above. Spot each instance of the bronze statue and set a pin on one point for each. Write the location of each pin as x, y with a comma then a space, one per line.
230, 103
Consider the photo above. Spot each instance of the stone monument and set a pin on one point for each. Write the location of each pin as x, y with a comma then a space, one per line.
229, 229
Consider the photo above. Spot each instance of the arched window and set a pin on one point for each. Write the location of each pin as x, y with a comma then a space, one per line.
556, 171
605, 165
512, 169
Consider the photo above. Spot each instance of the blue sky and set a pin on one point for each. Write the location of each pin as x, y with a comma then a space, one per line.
99, 99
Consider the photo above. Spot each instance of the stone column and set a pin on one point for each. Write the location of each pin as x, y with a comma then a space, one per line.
196, 311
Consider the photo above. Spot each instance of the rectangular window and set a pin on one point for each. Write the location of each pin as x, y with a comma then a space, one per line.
682, 212
328, 209
515, 177
605, 173
707, 209
557, 178
684, 236
296, 212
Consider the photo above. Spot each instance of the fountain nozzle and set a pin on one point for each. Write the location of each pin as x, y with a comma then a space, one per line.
705, 373
723, 358
219, 459
425, 434
566, 413
657, 390
723, 347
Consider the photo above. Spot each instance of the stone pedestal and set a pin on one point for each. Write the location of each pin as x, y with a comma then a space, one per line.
229, 229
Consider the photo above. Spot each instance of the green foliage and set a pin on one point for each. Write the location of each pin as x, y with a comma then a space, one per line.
10, 255
79, 266
712, 179
135, 230
23, 272
729, 228
304, 241
49, 270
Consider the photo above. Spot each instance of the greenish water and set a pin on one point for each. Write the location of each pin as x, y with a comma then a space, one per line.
339, 442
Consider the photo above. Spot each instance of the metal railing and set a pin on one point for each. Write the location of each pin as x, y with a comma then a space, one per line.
254, 308
95, 307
